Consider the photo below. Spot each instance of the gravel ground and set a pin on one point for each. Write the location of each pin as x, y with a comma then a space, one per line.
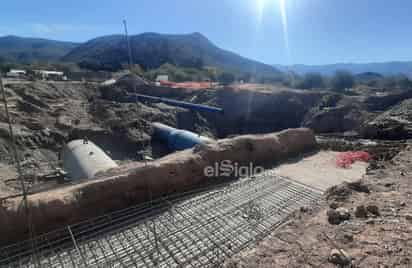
362, 224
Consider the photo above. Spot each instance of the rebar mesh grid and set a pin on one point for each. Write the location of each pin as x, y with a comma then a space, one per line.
195, 229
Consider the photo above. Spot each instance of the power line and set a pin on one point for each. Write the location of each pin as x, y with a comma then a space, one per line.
130, 60
13, 141
18, 165
128, 45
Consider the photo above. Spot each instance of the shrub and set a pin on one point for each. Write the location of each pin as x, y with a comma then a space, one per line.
342, 80
312, 80
226, 78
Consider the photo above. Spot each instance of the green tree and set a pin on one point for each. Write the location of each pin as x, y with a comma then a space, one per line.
245, 77
389, 82
313, 80
226, 78
136, 69
5, 67
212, 73
403, 82
342, 79
292, 79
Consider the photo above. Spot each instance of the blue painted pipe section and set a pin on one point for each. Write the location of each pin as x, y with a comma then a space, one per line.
177, 139
171, 102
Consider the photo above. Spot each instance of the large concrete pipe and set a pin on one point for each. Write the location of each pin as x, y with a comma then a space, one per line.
83, 159
177, 139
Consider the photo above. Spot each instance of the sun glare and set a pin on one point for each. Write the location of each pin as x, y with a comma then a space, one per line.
283, 14
260, 9
262, 5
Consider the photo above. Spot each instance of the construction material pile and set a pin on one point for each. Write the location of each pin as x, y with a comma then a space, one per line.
346, 159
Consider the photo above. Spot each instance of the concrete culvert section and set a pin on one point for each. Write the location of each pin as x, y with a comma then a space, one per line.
177, 139
83, 159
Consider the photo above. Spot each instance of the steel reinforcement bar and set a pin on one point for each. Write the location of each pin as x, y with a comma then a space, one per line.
196, 229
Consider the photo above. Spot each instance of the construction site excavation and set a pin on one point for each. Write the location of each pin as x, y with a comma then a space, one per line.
133, 173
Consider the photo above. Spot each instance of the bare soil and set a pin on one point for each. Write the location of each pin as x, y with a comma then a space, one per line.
378, 236
319, 170
46, 115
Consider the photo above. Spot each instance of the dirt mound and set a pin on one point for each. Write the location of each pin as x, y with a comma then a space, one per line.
131, 81
336, 119
249, 111
51, 113
342, 192
387, 100
264, 109
130, 185
47, 115
394, 124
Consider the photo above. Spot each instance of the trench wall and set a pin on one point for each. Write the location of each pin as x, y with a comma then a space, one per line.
135, 183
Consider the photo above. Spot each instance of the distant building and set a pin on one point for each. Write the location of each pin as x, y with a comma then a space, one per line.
50, 75
90, 76
14, 73
162, 78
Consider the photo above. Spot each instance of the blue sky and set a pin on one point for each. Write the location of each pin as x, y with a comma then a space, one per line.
318, 31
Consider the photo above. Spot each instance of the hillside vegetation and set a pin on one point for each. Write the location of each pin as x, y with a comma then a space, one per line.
28, 50
384, 68
151, 50
189, 57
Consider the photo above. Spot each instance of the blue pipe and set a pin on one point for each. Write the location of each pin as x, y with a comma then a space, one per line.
171, 102
177, 139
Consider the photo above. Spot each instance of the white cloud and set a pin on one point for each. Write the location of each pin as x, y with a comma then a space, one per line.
6, 30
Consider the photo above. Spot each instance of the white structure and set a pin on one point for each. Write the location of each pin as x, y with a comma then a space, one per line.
16, 73
82, 159
51, 74
109, 82
162, 78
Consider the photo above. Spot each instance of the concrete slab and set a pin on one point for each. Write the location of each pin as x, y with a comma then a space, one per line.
319, 170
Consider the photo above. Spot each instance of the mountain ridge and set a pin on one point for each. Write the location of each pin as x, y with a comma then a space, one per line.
150, 50
154, 49
384, 68
29, 49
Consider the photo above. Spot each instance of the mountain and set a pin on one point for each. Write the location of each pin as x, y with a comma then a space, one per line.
385, 68
368, 76
26, 50
150, 50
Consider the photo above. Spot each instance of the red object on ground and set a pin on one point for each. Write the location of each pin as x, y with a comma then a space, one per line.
346, 159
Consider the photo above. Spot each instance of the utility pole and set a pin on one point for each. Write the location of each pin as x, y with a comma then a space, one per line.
129, 49
13, 144
19, 170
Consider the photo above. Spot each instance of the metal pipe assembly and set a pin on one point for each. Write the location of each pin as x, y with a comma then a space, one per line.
171, 102
82, 159
177, 139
